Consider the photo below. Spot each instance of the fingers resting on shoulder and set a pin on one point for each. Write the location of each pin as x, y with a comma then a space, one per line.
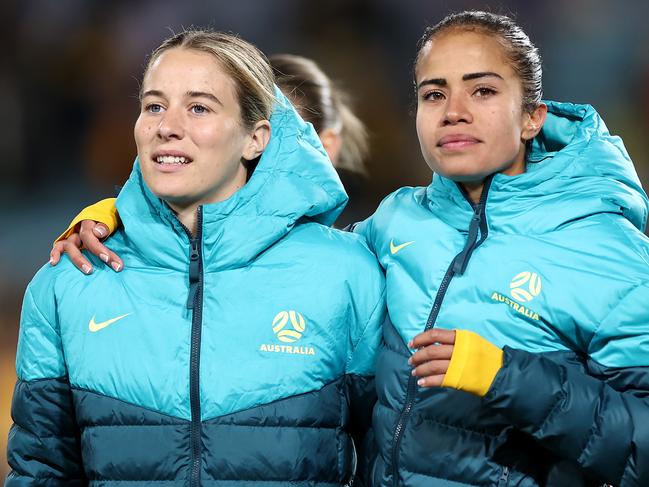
90, 233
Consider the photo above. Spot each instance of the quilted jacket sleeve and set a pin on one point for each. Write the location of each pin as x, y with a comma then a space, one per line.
598, 419
43, 447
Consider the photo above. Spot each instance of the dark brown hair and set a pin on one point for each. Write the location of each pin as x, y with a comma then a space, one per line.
522, 54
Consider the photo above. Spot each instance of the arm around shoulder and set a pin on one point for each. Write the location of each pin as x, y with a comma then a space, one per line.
103, 211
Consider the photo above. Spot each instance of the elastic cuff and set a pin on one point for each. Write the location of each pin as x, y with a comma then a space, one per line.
474, 363
103, 211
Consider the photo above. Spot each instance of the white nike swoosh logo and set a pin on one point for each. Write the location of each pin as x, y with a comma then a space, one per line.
396, 248
94, 326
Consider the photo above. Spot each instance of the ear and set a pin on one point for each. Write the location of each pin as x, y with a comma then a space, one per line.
534, 122
258, 140
332, 142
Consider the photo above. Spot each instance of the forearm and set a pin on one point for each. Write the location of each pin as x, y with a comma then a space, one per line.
578, 417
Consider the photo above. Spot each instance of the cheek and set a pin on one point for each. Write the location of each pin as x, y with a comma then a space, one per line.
142, 131
508, 133
422, 125
211, 137
506, 125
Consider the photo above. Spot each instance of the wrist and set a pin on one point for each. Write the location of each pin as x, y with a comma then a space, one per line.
474, 363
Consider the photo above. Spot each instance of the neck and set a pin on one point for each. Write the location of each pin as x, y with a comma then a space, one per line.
187, 212
188, 217
474, 190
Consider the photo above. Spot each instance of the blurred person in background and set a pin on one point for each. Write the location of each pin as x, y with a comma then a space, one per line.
229, 351
318, 101
323, 104
327, 107
518, 281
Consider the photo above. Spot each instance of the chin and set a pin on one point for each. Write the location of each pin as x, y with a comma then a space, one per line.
460, 173
166, 191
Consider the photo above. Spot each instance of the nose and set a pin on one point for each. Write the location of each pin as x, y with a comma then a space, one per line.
457, 110
171, 125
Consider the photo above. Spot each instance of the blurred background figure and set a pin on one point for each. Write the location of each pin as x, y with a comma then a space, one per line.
59, 136
344, 136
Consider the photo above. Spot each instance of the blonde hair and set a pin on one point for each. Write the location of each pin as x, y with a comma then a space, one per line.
322, 103
244, 63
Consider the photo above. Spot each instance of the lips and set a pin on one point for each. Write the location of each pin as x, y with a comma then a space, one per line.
457, 141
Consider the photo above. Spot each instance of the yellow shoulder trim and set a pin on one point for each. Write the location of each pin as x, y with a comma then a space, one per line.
474, 363
103, 211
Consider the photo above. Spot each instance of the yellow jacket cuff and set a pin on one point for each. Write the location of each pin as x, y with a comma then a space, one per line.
103, 211
474, 363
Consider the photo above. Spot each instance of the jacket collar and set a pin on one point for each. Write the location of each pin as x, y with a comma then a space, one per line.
294, 180
575, 168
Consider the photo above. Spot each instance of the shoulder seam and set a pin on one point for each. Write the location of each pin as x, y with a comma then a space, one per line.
626, 237
376, 308
613, 310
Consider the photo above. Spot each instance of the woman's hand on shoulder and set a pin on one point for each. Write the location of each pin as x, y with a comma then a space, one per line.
88, 237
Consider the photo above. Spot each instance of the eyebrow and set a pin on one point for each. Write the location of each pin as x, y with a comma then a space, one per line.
203, 94
466, 77
190, 94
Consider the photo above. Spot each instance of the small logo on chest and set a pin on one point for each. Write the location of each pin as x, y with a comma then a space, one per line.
525, 286
93, 326
396, 248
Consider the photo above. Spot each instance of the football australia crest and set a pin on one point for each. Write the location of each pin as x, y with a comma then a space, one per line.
523, 288
294, 331
288, 327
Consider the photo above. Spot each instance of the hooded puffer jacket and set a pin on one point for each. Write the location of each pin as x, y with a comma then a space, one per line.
241, 356
552, 266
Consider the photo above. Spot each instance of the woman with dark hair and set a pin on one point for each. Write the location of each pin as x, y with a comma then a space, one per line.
518, 281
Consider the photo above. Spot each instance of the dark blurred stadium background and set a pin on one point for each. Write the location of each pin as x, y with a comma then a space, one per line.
68, 84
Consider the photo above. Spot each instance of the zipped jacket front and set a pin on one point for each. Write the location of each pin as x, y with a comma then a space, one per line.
551, 266
240, 356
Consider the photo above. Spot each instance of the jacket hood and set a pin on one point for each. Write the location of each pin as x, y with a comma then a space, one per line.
293, 180
576, 168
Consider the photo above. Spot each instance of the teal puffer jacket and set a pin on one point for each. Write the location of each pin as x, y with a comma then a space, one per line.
243, 356
550, 265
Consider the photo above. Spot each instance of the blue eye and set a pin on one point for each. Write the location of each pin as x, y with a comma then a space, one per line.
199, 109
153, 108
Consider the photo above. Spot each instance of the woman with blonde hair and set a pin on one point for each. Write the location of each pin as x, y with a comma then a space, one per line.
517, 347
317, 99
229, 351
